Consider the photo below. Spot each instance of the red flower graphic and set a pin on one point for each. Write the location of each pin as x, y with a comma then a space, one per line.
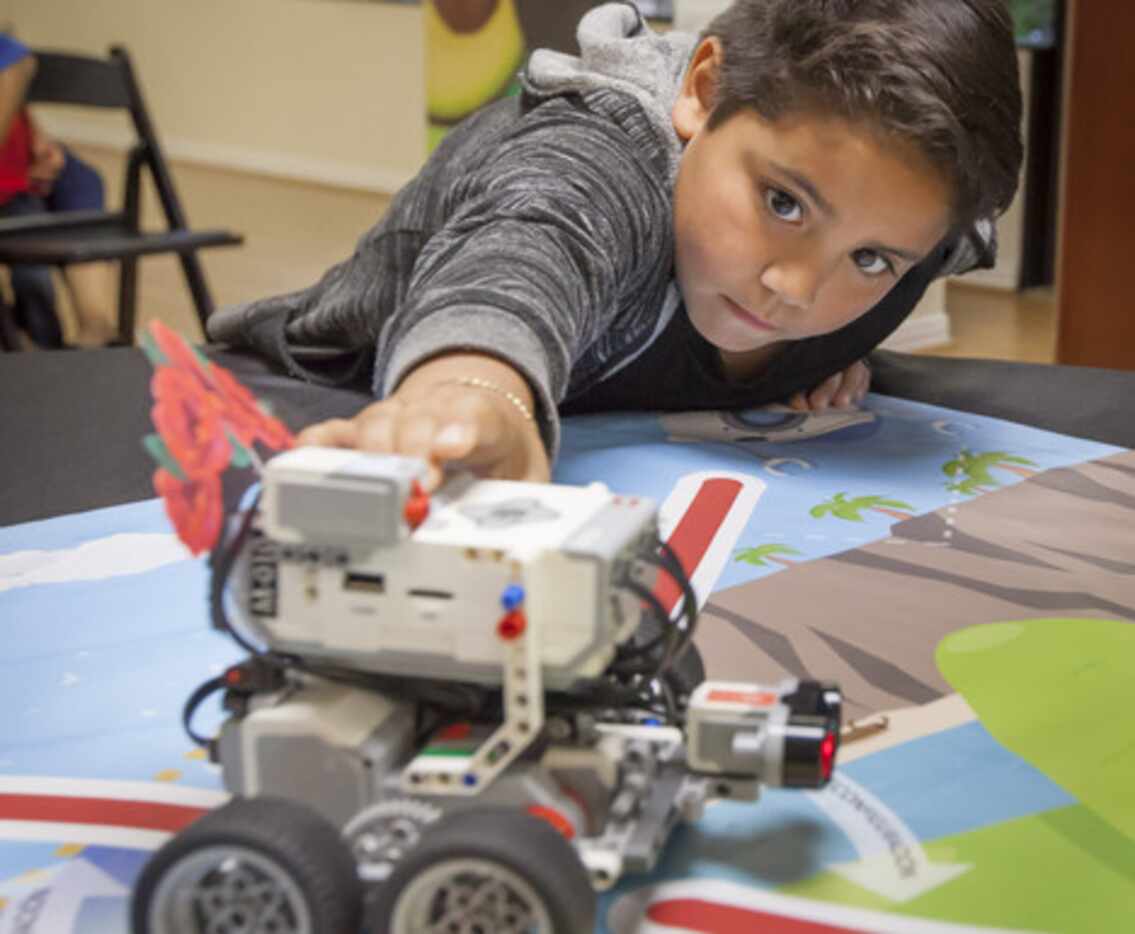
240, 411
177, 353
194, 506
244, 416
190, 423
206, 420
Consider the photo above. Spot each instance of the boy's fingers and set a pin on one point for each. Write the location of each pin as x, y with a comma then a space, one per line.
454, 440
452, 444
335, 433
376, 432
489, 439
822, 394
849, 386
414, 435
856, 380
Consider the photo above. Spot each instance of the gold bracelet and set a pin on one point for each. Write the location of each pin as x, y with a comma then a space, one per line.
477, 383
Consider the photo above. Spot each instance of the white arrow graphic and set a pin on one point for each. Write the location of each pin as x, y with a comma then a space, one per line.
48, 901
892, 862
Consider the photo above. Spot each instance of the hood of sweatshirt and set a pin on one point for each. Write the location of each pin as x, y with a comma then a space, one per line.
619, 52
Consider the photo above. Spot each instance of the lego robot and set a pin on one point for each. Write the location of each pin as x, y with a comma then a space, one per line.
462, 712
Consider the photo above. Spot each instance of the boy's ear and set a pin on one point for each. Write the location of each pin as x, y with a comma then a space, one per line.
698, 92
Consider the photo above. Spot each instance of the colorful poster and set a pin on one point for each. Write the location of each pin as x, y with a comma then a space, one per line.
969, 582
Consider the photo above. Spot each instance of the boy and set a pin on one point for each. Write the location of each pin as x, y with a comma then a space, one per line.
666, 223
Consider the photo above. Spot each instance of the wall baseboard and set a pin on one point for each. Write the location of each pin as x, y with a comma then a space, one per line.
922, 331
381, 179
1004, 277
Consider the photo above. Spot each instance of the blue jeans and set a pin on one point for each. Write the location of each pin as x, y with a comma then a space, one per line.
78, 188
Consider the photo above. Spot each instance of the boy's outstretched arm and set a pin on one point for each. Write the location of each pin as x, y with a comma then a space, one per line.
467, 409
531, 245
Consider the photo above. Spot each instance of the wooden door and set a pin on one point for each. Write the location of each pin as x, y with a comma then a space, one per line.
1096, 277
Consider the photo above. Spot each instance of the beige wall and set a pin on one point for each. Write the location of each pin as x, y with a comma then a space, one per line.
324, 90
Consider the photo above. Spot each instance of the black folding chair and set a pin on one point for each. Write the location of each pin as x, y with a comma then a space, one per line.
67, 238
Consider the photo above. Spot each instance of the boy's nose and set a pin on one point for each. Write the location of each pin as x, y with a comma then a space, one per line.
794, 282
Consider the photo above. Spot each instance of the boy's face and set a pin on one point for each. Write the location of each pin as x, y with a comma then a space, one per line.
790, 229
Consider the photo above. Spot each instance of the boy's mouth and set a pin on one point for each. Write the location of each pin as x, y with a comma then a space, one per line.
753, 320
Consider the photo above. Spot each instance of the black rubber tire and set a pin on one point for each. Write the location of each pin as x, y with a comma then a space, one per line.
299, 841
511, 838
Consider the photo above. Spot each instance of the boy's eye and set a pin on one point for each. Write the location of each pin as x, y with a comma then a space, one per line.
871, 263
783, 205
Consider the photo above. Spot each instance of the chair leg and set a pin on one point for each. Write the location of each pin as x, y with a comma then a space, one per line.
9, 335
127, 299
195, 277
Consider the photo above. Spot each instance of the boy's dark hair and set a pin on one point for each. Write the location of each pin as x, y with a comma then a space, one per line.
941, 74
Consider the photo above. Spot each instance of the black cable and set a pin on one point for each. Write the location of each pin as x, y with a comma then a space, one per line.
674, 637
624, 664
195, 699
672, 629
689, 598
678, 573
683, 581
657, 611
221, 562
668, 699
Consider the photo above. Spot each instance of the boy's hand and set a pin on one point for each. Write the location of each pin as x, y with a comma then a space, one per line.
445, 422
837, 391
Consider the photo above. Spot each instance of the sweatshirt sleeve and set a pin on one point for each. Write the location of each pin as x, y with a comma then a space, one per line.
555, 220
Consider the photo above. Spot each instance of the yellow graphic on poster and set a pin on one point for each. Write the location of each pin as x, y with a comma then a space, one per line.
474, 50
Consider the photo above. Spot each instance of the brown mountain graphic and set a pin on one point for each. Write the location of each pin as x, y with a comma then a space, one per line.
1060, 544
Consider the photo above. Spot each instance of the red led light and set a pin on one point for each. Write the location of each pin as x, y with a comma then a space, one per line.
417, 507
511, 625
827, 755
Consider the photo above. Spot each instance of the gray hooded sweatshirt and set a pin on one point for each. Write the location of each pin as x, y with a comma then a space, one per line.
540, 231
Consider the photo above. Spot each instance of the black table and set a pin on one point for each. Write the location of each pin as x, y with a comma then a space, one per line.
73, 421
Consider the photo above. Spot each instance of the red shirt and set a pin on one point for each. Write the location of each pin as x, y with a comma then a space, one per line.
15, 157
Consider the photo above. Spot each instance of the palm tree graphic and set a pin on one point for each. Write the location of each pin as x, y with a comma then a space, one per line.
972, 470
841, 507
763, 554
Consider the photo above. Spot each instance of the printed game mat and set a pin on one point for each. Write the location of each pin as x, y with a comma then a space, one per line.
970, 584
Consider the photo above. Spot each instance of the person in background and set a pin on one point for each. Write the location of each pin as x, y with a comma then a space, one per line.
38, 175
